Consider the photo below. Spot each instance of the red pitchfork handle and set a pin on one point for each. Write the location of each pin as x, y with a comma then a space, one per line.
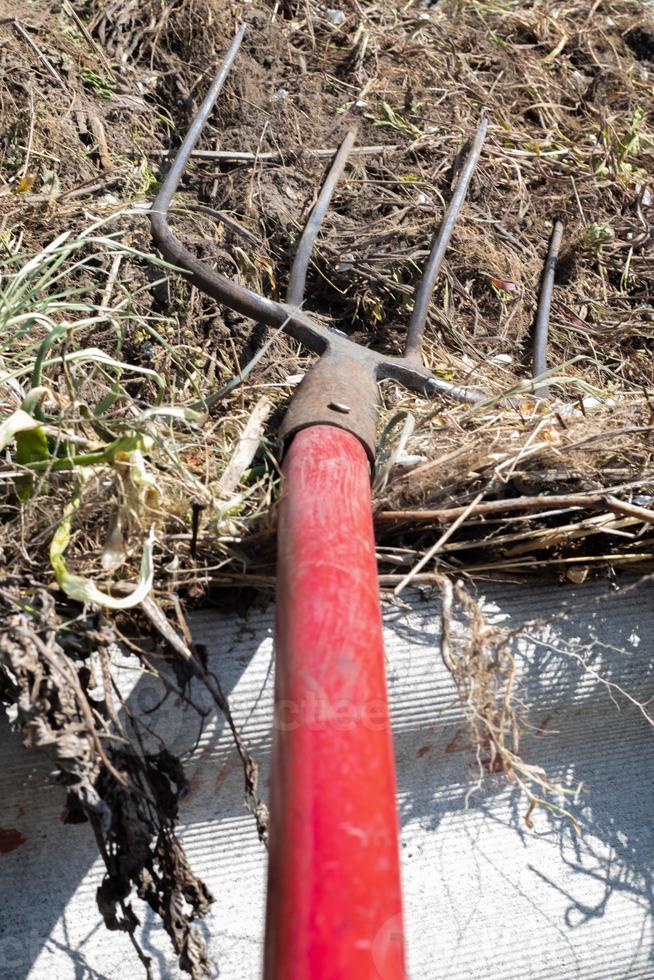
334, 899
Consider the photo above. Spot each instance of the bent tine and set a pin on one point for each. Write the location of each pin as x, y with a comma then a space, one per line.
425, 289
210, 281
541, 331
297, 281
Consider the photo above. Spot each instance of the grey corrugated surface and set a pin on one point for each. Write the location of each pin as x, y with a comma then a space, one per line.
485, 897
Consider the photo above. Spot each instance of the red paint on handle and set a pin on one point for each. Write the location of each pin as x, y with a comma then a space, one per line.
334, 900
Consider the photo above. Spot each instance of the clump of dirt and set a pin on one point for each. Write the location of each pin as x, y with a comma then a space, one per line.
129, 795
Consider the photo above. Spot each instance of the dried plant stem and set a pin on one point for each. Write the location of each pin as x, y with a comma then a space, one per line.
433, 551
36, 49
250, 768
273, 156
246, 449
517, 504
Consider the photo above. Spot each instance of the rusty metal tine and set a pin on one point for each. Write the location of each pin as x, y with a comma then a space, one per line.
541, 330
165, 195
425, 289
203, 276
298, 278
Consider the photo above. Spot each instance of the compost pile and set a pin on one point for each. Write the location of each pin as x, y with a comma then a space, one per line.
140, 466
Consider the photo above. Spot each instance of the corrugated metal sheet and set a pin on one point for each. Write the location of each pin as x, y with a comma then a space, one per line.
485, 897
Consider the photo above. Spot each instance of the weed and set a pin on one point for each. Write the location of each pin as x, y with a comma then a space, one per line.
102, 86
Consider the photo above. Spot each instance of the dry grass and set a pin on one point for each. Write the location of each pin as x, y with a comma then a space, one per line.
570, 136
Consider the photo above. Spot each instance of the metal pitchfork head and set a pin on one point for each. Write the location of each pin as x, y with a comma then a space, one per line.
341, 388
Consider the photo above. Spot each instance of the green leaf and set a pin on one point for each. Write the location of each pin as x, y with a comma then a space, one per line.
31, 446
84, 589
19, 421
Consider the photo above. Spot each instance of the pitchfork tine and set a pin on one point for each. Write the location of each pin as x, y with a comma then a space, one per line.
297, 281
182, 157
214, 283
415, 333
544, 305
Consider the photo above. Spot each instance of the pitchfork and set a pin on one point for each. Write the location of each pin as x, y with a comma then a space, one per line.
334, 900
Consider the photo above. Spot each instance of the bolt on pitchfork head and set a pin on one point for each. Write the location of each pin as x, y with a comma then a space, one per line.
341, 388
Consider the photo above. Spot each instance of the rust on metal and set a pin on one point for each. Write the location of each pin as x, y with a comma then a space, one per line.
338, 390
